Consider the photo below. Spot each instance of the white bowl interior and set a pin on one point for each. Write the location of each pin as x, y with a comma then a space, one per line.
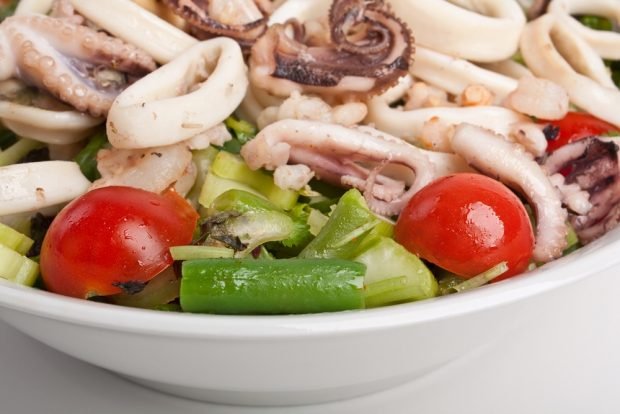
294, 359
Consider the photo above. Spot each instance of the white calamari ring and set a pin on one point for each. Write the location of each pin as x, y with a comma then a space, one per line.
409, 125
539, 46
482, 31
130, 22
32, 186
194, 92
51, 127
33, 6
508, 67
453, 74
605, 43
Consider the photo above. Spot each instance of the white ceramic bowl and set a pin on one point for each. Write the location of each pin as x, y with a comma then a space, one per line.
281, 360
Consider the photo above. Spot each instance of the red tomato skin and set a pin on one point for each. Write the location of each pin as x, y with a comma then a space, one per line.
467, 223
113, 236
575, 126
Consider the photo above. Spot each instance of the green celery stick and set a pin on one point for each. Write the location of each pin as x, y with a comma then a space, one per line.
385, 260
345, 230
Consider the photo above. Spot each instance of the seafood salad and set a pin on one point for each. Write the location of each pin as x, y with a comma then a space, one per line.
292, 156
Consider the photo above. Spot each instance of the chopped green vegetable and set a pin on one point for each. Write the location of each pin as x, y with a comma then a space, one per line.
232, 167
18, 150
87, 157
286, 286
17, 267
611, 134
241, 202
596, 22
410, 279
518, 57
202, 160
158, 292
447, 281
316, 221
343, 233
14, 240
300, 236
7, 138
169, 307
200, 252
483, 278
242, 131
213, 186
614, 67
7, 8
572, 241
243, 232
381, 230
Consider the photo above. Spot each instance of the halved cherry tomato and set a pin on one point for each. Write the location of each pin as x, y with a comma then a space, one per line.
575, 126
114, 239
467, 223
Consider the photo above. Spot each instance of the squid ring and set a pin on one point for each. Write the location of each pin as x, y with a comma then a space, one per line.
483, 31
176, 102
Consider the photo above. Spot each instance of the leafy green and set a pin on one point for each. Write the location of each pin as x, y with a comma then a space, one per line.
7, 8
242, 131
7, 138
596, 22
38, 228
87, 157
300, 236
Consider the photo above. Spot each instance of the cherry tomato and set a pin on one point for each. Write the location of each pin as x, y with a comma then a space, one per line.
575, 126
467, 223
114, 239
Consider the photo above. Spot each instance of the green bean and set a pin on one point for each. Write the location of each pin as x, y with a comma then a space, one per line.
248, 286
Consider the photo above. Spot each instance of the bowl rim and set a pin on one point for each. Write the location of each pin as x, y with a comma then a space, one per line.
596, 257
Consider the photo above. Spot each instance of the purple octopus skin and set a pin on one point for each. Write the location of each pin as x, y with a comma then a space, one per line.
78, 65
346, 66
204, 24
592, 163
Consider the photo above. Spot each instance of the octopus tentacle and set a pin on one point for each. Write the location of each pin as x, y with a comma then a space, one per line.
409, 124
542, 44
78, 65
243, 20
482, 31
63, 9
324, 148
176, 100
593, 166
367, 62
511, 165
135, 25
